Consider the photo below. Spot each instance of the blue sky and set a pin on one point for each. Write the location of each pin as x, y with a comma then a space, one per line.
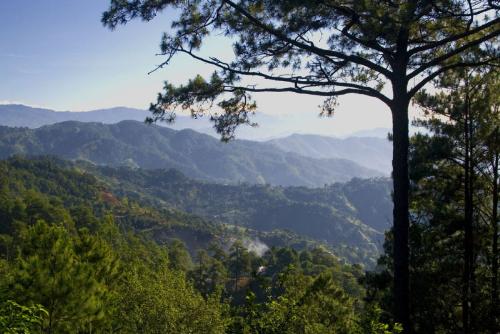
57, 54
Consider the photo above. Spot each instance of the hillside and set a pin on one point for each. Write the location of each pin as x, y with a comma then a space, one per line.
370, 152
48, 182
197, 155
354, 214
76, 258
347, 218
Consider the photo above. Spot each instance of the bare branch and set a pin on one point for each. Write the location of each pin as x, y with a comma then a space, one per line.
296, 80
299, 91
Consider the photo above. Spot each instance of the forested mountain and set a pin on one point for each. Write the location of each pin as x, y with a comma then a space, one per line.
370, 152
197, 155
49, 182
60, 225
350, 218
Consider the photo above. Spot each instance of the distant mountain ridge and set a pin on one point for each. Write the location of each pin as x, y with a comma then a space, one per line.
370, 152
18, 115
373, 153
197, 155
270, 126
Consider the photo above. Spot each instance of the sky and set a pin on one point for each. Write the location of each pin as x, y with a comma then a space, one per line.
56, 54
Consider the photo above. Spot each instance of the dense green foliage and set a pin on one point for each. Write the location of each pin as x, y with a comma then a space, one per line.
18, 319
64, 247
200, 156
349, 217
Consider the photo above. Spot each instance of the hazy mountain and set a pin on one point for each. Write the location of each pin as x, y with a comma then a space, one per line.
269, 126
197, 155
371, 152
17, 115
23, 116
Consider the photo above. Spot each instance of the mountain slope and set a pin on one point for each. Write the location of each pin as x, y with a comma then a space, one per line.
47, 182
197, 155
165, 204
370, 152
354, 214
365, 200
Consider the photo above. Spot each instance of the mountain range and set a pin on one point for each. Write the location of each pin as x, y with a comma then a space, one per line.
269, 126
277, 190
200, 156
369, 149
18, 115
349, 219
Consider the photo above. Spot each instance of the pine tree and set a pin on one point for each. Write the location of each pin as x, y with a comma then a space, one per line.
454, 197
67, 279
239, 263
326, 49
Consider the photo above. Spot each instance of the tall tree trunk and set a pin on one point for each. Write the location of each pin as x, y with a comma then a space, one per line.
494, 251
468, 274
401, 181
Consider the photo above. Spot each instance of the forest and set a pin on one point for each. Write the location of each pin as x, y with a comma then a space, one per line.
72, 263
81, 253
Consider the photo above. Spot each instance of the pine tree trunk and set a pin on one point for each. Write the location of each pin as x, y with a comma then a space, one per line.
494, 251
468, 274
400, 177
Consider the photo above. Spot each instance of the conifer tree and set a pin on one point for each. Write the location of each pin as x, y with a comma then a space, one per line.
67, 279
325, 48
454, 174
179, 258
239, 263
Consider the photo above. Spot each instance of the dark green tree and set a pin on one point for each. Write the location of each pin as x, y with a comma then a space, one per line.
326, 49
489, 173
209, 274
154, 299
67, 275
179, 258
463, 119
239, 263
